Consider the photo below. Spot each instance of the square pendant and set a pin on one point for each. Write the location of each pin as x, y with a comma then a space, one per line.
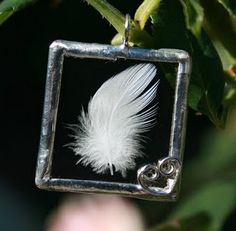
156, 181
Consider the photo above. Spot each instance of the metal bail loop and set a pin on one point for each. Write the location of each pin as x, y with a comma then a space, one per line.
126, 32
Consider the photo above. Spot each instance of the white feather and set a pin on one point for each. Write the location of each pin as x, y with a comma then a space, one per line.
109, 134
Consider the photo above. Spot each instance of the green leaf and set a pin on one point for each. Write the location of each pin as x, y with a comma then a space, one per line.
208, 74
207, 81
223, 38
9, 7
226, 58
169, 28
215, 14
216, 199
230, 95
194, 15
145, 10
117, 20
117, 39
113, 15
195, 222
5, 15
230, 6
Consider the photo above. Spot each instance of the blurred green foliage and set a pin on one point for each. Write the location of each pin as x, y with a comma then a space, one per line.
207, 30
210, 179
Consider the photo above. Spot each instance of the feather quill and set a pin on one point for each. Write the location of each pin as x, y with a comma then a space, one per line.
109, 133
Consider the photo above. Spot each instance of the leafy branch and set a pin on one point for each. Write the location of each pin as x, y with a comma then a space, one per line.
9, 7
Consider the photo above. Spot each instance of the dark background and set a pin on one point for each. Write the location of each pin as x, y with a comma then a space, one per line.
24, 42
81, 79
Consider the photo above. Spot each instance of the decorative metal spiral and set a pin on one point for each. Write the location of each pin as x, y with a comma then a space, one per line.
167, 168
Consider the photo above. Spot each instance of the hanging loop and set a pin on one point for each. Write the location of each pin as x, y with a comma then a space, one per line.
126, 31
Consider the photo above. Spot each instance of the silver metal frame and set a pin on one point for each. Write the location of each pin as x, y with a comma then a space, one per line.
169, 167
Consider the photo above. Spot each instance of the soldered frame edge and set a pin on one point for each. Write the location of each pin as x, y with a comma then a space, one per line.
57, 52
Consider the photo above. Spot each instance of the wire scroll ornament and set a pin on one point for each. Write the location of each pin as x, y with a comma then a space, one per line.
167, 169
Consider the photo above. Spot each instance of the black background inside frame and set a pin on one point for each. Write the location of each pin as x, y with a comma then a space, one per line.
81, 78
